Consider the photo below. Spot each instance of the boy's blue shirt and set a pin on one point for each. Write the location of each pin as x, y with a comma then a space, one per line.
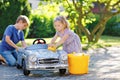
15, 35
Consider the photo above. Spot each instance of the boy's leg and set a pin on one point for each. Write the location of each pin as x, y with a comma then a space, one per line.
19, 58
10, 59
15, 54
2, 59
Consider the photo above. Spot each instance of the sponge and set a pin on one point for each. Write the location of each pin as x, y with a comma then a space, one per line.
52, 49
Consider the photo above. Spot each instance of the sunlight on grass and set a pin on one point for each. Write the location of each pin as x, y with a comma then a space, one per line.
110, 40
30, 41
104, 41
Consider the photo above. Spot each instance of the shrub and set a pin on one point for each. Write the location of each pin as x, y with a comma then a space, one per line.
42, 21
10, 10
42, 26
113, 26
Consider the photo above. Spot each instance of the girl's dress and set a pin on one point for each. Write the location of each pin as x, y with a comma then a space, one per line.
73, 43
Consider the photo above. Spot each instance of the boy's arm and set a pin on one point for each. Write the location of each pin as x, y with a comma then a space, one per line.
24, 45
10, 42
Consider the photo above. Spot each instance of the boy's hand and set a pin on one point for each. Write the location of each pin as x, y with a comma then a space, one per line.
19, 48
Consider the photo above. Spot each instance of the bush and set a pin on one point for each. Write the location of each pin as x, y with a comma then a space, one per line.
92, 24
42, 21
113, 26
42, 26
10, 10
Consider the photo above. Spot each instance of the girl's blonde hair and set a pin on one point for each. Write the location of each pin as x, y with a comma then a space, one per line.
24, 19
63, 20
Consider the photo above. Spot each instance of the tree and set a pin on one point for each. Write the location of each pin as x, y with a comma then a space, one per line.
105, 12
10, 10
81, 12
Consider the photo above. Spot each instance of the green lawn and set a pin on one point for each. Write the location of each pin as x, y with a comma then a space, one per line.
105, 41
110, 40
30, 41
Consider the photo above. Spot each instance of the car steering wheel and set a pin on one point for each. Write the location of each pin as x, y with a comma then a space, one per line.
39, 41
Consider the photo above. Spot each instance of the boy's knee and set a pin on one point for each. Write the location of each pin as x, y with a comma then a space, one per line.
13, 63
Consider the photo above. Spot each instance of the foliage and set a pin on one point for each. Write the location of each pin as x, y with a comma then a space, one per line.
10, 10
113, 26
82, 12
41, 27
42, 21
90, 25
105, 41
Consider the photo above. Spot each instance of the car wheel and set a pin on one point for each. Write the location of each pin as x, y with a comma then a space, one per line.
62, 71
18, 66
25, 71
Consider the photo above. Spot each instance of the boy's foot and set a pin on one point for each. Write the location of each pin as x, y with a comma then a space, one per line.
2, 62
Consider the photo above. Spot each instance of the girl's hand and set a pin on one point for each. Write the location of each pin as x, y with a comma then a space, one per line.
52, 45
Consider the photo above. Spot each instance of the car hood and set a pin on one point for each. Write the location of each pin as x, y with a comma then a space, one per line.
42, 53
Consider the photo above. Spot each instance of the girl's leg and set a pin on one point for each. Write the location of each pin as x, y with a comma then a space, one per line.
10, 59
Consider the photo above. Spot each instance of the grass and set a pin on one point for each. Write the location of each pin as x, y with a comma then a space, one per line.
104, 41
29, 41
110, 40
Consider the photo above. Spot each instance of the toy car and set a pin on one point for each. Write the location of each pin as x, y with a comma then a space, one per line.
38, 57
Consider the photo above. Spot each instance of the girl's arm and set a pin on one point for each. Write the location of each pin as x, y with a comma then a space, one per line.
54, 39
10, 42
62, 40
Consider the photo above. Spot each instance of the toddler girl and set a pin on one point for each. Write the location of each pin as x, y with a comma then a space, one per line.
69, 40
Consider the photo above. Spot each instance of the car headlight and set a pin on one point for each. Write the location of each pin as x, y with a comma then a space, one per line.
64, 62
63, 57
32, 58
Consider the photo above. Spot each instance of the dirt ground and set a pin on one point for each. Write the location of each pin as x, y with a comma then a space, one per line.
104, 65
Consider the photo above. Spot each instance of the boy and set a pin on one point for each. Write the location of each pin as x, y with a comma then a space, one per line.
12, 35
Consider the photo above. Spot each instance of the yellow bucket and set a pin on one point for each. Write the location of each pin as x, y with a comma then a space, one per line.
78, 63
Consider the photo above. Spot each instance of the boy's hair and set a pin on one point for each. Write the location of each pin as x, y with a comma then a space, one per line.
24, 19
63, 20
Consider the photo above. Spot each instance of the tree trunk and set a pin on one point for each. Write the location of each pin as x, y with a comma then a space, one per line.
99, 34
97, 31
78, 31
101, 28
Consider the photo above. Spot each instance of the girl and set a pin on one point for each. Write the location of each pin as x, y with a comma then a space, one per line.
70, 40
